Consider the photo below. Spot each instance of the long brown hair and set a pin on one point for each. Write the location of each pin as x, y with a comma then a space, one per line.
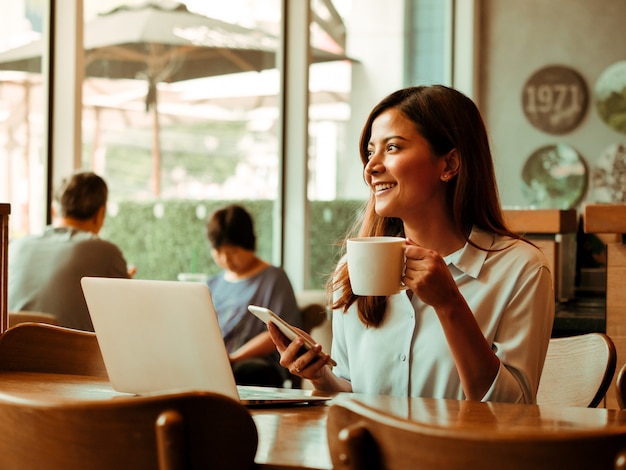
448, 120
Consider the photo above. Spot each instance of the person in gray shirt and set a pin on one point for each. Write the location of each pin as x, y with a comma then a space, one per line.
45, 269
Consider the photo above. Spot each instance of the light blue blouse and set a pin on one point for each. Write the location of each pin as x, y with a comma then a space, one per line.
511, 295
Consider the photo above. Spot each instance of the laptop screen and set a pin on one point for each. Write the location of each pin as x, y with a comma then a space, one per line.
158, 336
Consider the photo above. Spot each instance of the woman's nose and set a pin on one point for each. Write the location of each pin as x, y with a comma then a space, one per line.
374, 165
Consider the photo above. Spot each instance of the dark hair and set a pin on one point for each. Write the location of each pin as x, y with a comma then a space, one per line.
231, 225
448, 120
81, 195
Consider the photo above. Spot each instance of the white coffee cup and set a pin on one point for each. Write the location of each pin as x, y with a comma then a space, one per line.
376, 265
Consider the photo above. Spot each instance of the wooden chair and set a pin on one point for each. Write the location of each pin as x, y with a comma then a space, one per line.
578, 370
620, 386
195, 430
5, 210
40, 347
30, 316
364, 438
312, 305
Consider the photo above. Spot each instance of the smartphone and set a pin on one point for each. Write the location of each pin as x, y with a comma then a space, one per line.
266, 316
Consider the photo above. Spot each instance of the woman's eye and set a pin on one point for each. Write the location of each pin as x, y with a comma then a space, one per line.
391, 147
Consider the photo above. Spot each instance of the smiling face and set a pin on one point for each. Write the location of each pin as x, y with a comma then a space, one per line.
404, 174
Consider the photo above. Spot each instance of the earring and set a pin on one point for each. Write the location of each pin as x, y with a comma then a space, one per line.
444, 177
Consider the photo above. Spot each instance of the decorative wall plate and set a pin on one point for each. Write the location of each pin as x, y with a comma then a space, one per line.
608, 176
554, 177
555, 99
610, 95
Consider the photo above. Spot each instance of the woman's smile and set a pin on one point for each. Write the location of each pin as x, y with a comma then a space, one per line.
379, 187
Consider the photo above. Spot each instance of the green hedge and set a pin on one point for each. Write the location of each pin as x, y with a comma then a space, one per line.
164, 238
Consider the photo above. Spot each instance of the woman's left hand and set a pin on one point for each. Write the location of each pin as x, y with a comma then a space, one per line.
305, 363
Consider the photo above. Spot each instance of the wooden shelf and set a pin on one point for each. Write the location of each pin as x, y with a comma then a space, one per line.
605, 218
541, 220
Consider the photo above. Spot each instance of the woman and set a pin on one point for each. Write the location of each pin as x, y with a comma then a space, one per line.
247, 279
476, 318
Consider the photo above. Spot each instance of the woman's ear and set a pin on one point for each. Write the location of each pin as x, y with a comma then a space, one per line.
453, 163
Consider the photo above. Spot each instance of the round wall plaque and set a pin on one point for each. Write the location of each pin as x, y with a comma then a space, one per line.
554, 177
610, 91
555, 99
608, 176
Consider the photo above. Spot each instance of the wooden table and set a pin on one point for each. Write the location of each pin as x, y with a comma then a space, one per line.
295, 437
289, 437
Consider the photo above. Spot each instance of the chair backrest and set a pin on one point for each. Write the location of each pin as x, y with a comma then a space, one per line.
196, 430
620, 385
364, 438
578, 370
31, 316
39, 347
312, 305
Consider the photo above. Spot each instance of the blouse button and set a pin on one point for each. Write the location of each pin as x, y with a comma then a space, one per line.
403, 357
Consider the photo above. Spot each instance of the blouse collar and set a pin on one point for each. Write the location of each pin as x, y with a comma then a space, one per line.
470, 259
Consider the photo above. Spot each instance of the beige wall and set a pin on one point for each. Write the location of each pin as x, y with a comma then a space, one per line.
518, 37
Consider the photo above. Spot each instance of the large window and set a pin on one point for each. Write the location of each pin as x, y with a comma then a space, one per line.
22, 111
181, 113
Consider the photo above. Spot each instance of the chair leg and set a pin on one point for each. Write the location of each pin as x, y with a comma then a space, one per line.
359, 448
170, 441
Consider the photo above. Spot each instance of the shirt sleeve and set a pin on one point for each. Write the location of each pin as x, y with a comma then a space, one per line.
529, 318
118, 266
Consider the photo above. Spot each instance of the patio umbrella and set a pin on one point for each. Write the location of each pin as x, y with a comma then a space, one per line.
163, 42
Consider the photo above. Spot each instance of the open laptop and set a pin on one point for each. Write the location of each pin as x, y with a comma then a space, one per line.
163, 336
